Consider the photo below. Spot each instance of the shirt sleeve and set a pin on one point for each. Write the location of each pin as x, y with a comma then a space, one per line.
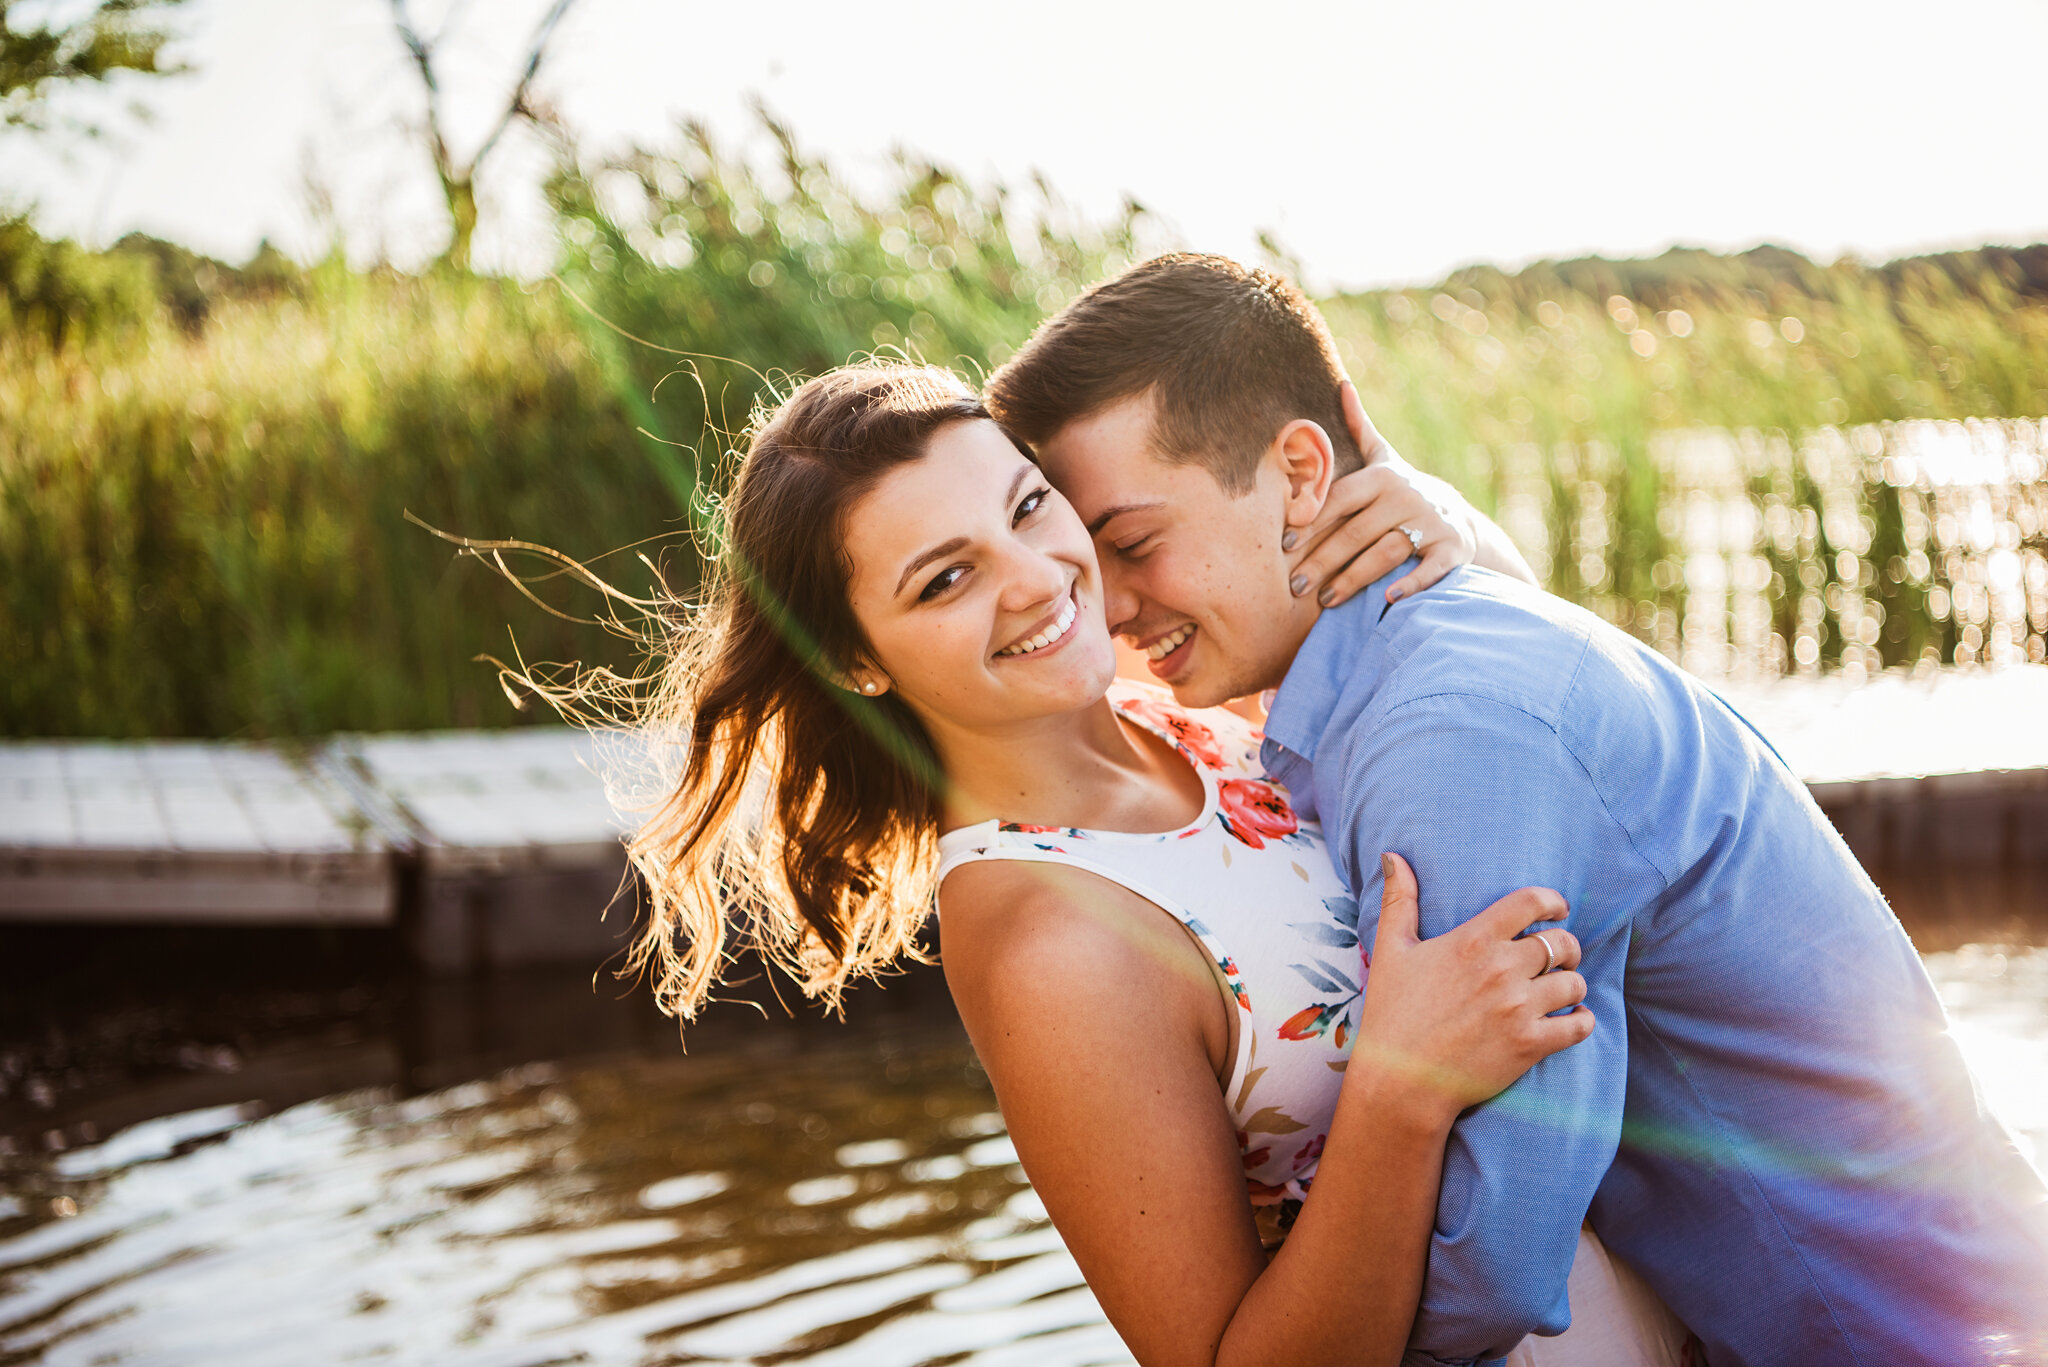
1483, 798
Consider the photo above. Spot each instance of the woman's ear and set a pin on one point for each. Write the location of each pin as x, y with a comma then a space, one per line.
863, 679
1308, 463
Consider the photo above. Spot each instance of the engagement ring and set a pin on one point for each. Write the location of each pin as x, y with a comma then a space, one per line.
1414, 536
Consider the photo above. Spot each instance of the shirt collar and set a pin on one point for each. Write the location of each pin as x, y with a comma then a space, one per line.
1324, 664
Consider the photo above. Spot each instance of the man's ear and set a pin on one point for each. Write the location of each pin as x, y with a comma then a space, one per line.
1306, 460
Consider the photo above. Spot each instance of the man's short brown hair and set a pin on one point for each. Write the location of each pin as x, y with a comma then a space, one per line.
1231, 355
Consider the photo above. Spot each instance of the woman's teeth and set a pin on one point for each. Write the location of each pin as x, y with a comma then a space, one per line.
1166, 645
1059, 628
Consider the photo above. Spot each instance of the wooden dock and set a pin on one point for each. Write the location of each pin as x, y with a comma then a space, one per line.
482, 848
184, 831
499, 848
1945, 771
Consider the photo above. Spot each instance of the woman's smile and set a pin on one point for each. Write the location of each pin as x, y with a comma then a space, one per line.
1048, 635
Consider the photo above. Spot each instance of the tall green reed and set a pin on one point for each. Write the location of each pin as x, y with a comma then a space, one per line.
202, 526
1598, 407
206, 535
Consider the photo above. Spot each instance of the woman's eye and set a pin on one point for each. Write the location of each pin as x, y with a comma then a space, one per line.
1030, 504
943, 580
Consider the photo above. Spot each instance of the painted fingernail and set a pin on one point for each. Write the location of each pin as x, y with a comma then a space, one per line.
1287, 540
1299, 584
1386, 866
1328, 597
1394, 595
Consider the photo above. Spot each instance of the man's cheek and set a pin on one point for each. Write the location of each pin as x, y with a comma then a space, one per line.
1162, 584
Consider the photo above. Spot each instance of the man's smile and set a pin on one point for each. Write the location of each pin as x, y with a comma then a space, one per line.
1167, 652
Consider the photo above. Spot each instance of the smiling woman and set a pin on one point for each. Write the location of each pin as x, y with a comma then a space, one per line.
899, 583
999, 624
773, 674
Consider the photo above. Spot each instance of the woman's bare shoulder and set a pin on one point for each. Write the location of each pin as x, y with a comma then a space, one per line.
998, 908
1009, 928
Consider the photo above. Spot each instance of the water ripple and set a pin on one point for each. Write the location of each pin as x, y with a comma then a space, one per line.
851, 1202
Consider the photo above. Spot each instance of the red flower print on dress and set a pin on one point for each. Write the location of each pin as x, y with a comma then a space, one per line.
1310, 1021
1264, 1193
1197, 739
1255, 811
1310, 1152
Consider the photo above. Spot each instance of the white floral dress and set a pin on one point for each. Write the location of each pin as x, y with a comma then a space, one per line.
1256, 887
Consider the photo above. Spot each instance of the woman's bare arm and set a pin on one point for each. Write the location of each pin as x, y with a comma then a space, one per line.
1357, 538
1108, 1083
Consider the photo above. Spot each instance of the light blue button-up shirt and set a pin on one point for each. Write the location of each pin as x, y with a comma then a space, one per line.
1770, 1121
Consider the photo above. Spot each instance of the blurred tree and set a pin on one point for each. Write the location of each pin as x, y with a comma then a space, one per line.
112, 36
458, 178
57, 289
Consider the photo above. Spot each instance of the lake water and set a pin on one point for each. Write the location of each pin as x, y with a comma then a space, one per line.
516, 1171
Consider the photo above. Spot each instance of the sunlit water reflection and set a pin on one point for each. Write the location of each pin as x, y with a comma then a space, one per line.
842, 1195
1746, 555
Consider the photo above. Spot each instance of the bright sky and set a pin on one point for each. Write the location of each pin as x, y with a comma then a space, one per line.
1381, 143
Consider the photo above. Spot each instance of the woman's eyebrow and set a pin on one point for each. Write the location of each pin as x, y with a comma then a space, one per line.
938, 552
947, 548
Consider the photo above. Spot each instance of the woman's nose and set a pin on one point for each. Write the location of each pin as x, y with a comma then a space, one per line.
1033, 580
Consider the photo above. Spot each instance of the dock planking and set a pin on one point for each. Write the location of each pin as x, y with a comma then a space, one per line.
500, 848
183, 831
482, 847
491, 801
1941, 773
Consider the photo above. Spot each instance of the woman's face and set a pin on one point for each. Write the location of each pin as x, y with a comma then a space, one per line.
977, 586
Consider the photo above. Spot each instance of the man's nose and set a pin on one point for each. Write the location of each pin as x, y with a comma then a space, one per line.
1121, 602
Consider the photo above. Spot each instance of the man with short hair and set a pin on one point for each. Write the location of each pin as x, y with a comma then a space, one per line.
1770, 1122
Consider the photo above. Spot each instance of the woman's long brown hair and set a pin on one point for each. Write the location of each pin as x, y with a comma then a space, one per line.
804, 820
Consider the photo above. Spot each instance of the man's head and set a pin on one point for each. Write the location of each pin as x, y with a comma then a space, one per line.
1190, 410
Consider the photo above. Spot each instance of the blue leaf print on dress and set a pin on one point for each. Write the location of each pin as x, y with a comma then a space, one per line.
1322, 979
1323, 933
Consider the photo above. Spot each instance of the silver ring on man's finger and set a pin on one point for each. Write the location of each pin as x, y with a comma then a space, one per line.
1414, 535
1549, 952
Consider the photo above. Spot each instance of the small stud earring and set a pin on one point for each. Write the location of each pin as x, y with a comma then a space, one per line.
868, 687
